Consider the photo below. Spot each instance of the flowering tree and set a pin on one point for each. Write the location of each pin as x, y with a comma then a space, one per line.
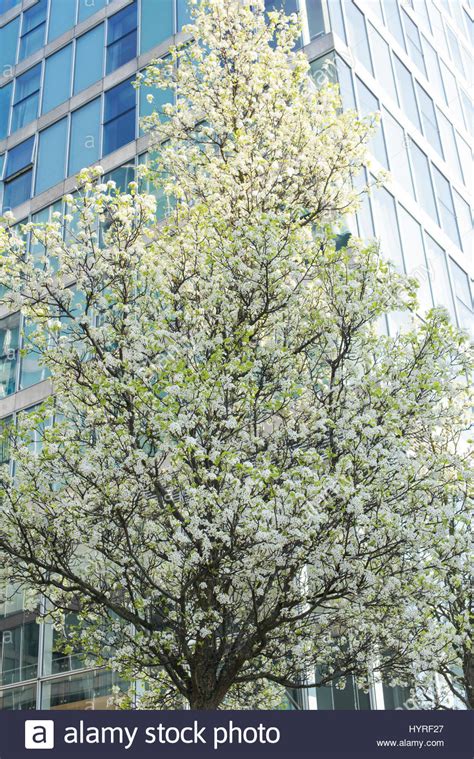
245, 477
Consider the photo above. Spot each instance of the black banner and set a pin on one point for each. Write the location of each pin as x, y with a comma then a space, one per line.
233, 734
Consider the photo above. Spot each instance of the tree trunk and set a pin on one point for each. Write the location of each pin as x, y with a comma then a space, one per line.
468, 667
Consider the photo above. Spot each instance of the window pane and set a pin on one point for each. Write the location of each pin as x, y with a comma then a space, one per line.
24, 112
22, 698
464, 219
120, 24
387, 227
27, 83
121, 37
465, 154
57, 78
34, 16
439, 277
452, 95
424, 188
397, 151
119, 99
19, 157
337, 25
6, 5
89, 58
25, 107
85, 136
31, 42
89, 688
156, 22
432, 66
121, 176
4, 451
468, 109
314, 12
412, 241
160, 98
455, 50
413, 43
449, 144
346, 87
184, 15
121, 52
89, 7
461, 284
358, 35
5, 98
51, 156
382, 62
396, 697
8, 46
364, 213
17, 190
33, 29
445, 206
9, 343
62, 16
393, 21
31, 371
428, 118
406, 92
369, 105
36, 248
345, 698
119, 131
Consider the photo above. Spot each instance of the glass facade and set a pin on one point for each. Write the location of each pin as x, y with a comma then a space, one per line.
408, 61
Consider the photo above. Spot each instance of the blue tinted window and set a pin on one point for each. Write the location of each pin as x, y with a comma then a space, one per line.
33, 29
184, 15
17, 190
6, 5
62, 16
19, 157
25, 106
89, 58
89, 7
51, 156
57, 78
157, 22
160, 97
9, 344
314, 11
119, 99
18, 174
8, 45
119, 116
5, 97
85, 136
121, 37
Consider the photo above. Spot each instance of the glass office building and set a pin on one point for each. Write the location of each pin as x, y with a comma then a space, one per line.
66, 102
